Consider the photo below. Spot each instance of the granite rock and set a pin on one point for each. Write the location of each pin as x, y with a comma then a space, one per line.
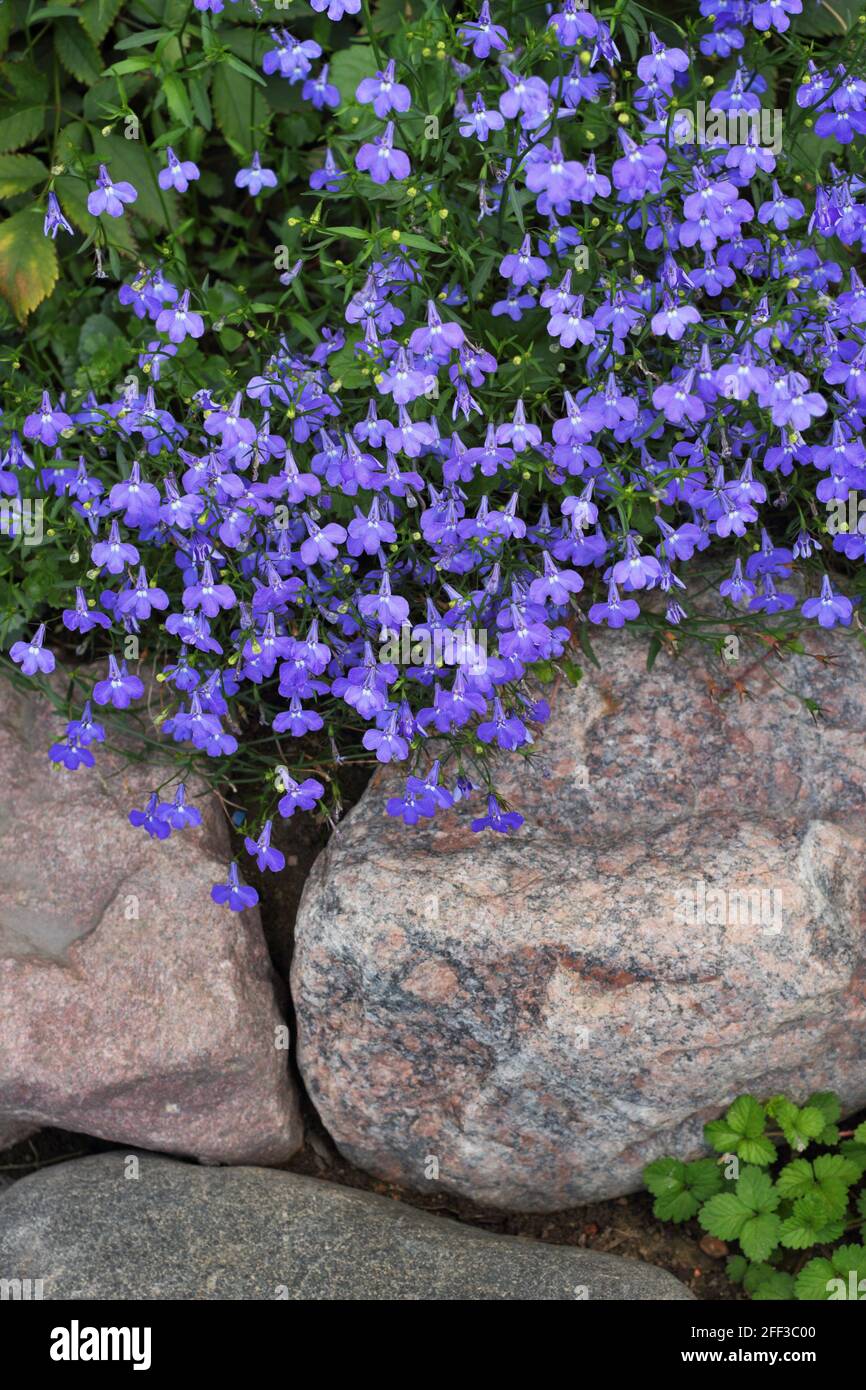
680, 920
132, 1007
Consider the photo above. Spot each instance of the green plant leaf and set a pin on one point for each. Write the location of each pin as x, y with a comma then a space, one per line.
811, 1284
778, 1286
348, 66
76, 51
18, 172
177, 99
28, 262
827, 18
759, 1236
97, 16
725, 1216
20, 127
756, 1189
811, 1222
239, 108
736, 1267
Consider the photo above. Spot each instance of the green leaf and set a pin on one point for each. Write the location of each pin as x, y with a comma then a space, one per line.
239, 108
811, 1284
28, 262
724, 1216
829, 1105
178, 101
778, 1287
762, 1151
757, 1191
348, 66
859, 1135
703, 1178
827, 18
21, 126
97, 332
736, 1267
420, 243
18, 172
811, 1222
759, 1236
796, 1179
97, 16
747, 1117
77, 52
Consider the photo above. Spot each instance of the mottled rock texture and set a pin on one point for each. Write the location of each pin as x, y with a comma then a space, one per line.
126, 1226
681, 919
132, 1007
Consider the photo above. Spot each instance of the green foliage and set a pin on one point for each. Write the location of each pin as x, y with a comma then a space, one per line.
773, 1207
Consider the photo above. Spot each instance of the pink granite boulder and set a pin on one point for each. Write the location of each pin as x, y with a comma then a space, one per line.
132, 1007
528, 1021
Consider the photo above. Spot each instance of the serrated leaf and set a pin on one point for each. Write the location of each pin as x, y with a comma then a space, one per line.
736, 1267
761, 1151
746, 1117
20, 127
703, 1178
78, 54
777, 1287
796, 1179
239, 108
756, 1189
759, 1235
28, 262
676, 1206
724, 1216
812, 1283
18, 172
719, 1134
859, 1135
664, 1175
811, 1223
829, 1105
97, 16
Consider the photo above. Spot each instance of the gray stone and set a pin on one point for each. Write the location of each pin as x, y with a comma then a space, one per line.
136, 1226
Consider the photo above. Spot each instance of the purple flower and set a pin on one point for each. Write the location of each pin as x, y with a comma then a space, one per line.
178, 174
299, 796
829, 608
336, 8
119, 688
381, 160
47, 424
109, 197
233, 893
496, 819
181, 321
151, 819
265, 855
383, 92
484, 36
320, 92
54, 220
255, 178
32, 656
616, 612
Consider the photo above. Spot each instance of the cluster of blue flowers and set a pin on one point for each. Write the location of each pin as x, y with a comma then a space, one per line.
725, 357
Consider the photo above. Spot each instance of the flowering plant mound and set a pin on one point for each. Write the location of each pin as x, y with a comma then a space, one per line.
443, 337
